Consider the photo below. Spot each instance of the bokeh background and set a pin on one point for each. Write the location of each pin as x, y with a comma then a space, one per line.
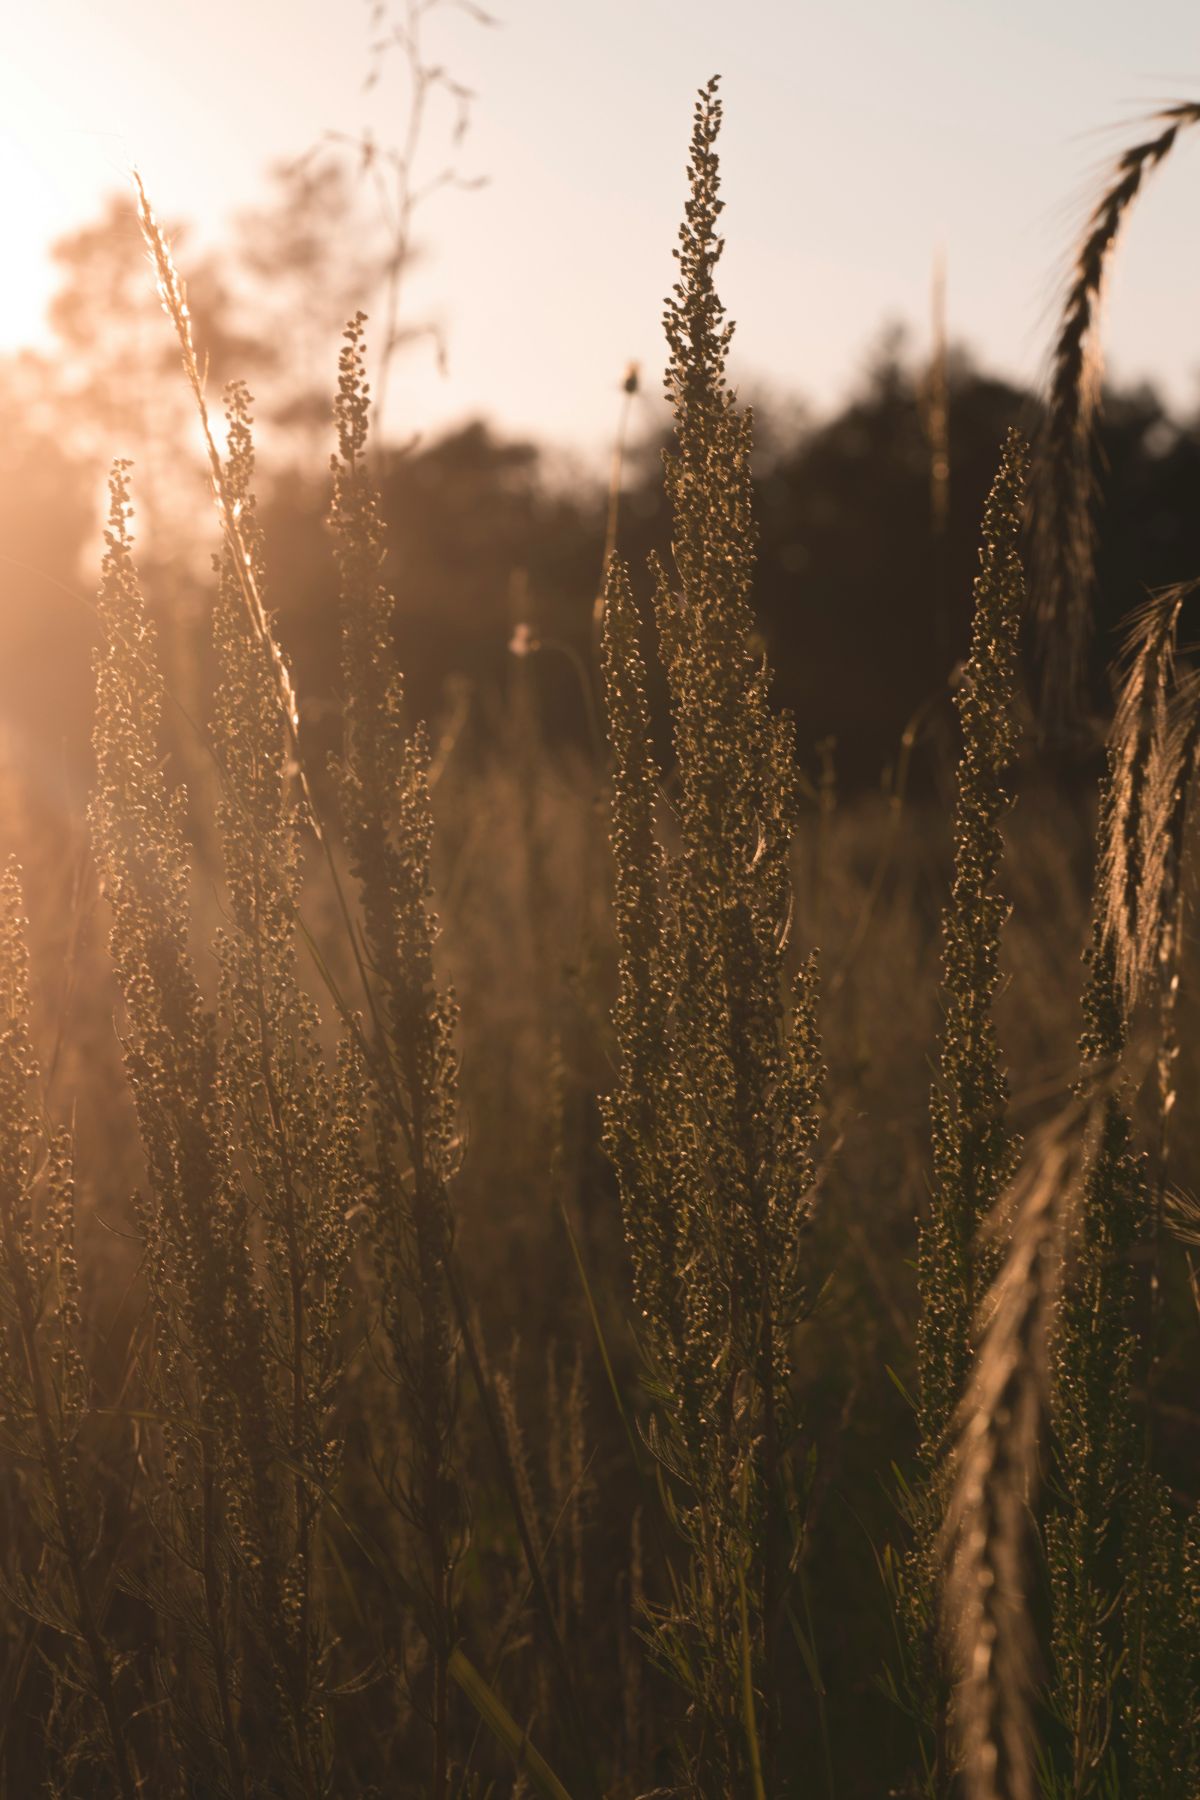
905, 186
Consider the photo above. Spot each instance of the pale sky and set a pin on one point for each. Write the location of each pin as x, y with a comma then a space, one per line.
861, 136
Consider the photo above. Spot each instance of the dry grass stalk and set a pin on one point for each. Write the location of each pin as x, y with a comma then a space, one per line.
1065, 532
974, 1149
712, 1123
214, 1380
388, 827
406, 1057
1153, 749
173, 294
283, 1104
985, 1535
43, 1384
1153, 752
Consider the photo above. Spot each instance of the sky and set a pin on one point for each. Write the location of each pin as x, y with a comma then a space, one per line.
862, 139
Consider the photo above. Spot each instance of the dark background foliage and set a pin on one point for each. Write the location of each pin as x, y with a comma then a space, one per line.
486, 532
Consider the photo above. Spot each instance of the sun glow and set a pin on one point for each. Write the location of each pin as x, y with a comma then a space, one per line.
45, 188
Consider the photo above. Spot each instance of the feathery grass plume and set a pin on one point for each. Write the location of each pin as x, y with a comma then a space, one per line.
1119, 1640
173, 295
409, 1065
213, 1374
993, 1471
1110, 1529
281, 1102
388, 826
713, 1121
1121, 1561
1064, 526
973, 1149
1094, 1432
974, 1153
1153, 748
43, 1382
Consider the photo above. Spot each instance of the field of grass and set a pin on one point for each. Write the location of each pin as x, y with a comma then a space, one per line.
587, 1265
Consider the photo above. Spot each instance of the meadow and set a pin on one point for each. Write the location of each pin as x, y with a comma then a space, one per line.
585, 1262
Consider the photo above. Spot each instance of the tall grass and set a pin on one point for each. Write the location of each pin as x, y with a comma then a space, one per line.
387, 823
1065, 525
331, 1466
974, 1149
713, 1126
985, 1532
43, 1383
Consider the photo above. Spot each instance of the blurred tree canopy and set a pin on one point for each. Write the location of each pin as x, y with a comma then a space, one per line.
863, 613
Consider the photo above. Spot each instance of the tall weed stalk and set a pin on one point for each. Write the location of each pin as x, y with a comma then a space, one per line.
1064, 534
713, 1122
1113, 1534
231, 1518
382, 780
974, 1149
44, 1397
